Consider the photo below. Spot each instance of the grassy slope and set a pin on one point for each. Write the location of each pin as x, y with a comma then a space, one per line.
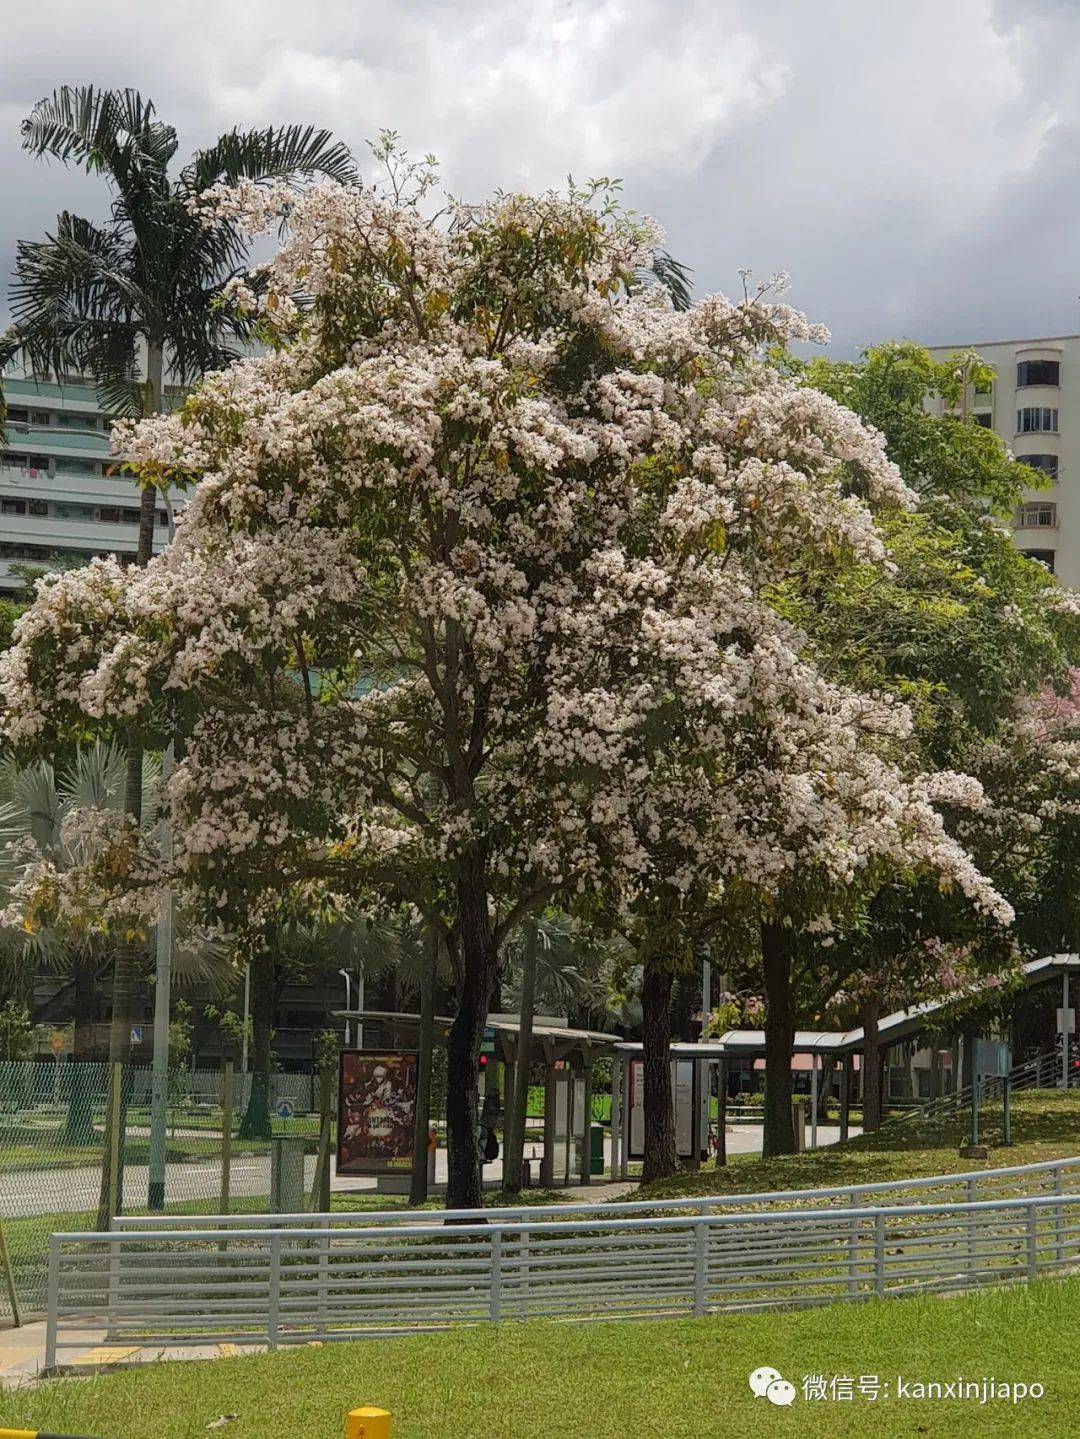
1046, 1125
672, 1380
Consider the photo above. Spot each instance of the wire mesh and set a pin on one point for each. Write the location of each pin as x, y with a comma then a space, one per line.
54, 1146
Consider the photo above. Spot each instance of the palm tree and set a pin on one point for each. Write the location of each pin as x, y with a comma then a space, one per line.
35, 804
548, 962
144, 289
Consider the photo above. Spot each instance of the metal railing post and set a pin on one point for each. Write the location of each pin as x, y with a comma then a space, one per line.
1032, 1242
853, 1249
496, 1275
1059, 1217
523, 1273
969, 1191
52, 1303
701, 1265
274, 1305
879, 1254
113, 1264
324, 1273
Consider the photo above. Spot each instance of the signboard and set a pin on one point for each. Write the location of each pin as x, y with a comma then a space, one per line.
376, 1110
993, 1059
1066, 1021
683, 1092
136, 1034
284, 1110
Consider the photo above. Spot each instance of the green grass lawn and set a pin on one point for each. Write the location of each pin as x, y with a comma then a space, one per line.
679, 1379
1046, 1125
44, 1147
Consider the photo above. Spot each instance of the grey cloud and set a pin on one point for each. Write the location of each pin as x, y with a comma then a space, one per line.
910, 166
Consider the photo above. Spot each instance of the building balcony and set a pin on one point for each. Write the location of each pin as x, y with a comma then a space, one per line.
59, 533
58, 440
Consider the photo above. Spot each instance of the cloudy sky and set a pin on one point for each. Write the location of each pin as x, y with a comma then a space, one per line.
913, 166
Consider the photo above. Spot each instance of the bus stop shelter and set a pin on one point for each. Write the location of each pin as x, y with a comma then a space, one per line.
567, 1056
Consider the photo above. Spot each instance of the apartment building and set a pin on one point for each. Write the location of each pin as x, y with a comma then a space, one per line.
1034, 405
61, 501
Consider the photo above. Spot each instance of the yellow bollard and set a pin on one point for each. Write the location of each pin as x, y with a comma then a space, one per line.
367, 1424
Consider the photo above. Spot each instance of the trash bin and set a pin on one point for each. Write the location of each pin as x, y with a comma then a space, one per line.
287, 1174
596, 1149
800, 1115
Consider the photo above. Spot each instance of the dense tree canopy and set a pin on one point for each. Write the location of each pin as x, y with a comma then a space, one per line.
478, 594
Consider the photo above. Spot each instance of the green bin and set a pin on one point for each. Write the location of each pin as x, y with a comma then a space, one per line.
596, 1149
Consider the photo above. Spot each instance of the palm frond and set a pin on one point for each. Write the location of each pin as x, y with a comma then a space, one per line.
673, 275
201, 962
109, 131
286, 153
95, 778
75, 301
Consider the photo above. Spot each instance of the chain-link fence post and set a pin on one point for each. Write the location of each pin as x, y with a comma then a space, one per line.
114, 1124
9, 1281
226, 1134
320, 1190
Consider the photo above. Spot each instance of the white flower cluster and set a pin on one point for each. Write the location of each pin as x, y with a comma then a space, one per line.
476, 577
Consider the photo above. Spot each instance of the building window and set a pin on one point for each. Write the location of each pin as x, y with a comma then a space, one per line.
12, 507
1033, 418
1037, 372
1047, 463
78, 467
39, 507
1037, 515
986, 420
1044, 557
18, 416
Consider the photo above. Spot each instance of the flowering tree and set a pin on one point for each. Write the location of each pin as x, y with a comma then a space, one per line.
473, 598
967, 632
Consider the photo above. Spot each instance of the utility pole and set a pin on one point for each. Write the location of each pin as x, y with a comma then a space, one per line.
247, 1010
159, 1092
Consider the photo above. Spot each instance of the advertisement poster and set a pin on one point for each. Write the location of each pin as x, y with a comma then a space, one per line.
682, 1085
376, 1109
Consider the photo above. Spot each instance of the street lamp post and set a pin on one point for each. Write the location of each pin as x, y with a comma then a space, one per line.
247, 1010
159, 1089
347, 977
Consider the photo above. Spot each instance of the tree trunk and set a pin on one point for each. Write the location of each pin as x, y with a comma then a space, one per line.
79, 1126
660, 1157
256, 1121
779, 1135
513, 1159
479, 964
871, 1059
127, 954
418, 1185
825, 1078
123, 1007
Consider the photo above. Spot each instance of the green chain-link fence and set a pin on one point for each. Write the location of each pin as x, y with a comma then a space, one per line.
54, 1146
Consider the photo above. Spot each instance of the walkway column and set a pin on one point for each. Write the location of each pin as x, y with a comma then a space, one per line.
813, 1099
1064, 1030
586, 1141
624, 1094
616, 1113
845, 1095
547, 1160
721, 1114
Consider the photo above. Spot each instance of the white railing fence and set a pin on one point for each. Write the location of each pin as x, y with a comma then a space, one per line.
1043, 1071
276, 1286
1052, 1176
